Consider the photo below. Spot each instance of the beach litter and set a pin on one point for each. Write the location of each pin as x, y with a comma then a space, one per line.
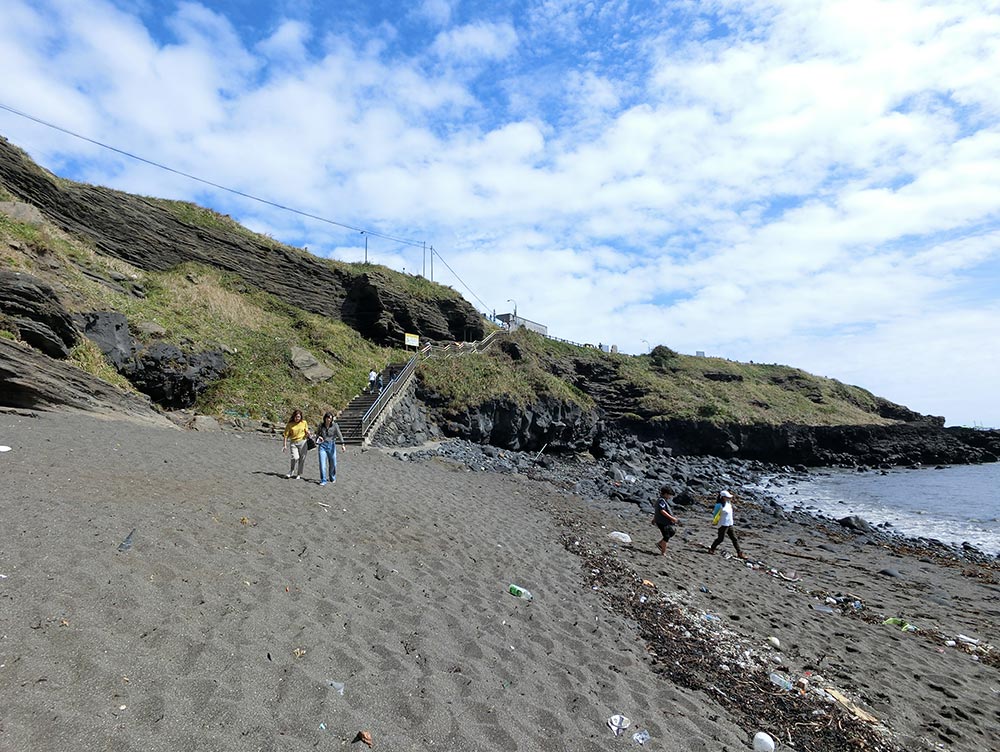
895, 621
4, 449
781, 681
967, 640
763, 742
339, 686
520, 592
774, 641
126, 544
364, 736
620, 536
618, 723
641, 737
823, 608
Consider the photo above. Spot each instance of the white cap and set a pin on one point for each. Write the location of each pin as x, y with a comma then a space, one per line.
725, 494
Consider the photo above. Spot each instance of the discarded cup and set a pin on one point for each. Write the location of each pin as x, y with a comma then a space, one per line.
520, 592
618, 723
763, 742
641, 737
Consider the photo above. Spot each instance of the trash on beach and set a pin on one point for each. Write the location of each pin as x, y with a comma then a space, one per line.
779, 680
620, 536
298, 652
322, 727
704, 589
323, 505
763, 742
641, 737
967, 640
843, 700
520, 592
339, 686
947, 643
4, 449
774, 641
618, 723
649, 583
789, 576
895, 621
711, 617
126, 544
823, 608
363, 736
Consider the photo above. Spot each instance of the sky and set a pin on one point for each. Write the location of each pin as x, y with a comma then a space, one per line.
807, 182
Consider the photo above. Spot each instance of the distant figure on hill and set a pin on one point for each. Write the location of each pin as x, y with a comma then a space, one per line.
723, 517
326, 440
663, 518
295, 436
372, 376
381, 384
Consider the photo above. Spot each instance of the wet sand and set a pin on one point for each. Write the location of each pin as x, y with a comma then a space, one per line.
243, 602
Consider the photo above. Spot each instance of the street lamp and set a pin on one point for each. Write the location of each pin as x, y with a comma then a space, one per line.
514, 323
646, 344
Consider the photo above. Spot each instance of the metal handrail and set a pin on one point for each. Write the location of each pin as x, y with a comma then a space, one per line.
395, 384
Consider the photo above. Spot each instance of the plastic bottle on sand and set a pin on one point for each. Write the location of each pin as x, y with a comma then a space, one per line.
781, 681
520, 592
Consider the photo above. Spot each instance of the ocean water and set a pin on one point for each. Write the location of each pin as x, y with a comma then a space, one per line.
953, 504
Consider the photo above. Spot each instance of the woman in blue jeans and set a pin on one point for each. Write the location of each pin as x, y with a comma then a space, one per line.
326, 442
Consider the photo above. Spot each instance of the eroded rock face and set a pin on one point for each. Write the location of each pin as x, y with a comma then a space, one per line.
33, 381
146, 234
503, 423
33, 308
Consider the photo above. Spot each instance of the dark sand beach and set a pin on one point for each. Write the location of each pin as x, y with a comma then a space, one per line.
251, 612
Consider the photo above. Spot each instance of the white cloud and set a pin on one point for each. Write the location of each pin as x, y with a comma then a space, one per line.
474, 42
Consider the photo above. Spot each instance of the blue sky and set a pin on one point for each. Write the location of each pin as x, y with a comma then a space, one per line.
811, 182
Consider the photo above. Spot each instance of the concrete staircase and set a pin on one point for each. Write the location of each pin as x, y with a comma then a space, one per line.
365, 413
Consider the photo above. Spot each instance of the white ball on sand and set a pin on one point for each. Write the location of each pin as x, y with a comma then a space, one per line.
763, 742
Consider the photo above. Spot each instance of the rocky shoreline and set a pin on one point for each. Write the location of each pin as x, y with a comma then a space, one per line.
630, 477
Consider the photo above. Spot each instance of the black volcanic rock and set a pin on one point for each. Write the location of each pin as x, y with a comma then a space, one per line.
34, 309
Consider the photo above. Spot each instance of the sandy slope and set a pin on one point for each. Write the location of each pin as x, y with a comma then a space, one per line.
242, 601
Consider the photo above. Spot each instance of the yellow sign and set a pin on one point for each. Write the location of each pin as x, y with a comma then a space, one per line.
411, 340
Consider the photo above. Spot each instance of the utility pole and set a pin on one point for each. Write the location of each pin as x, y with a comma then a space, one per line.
432, 263
425, 259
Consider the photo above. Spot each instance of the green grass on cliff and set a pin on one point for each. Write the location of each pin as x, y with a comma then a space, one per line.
200, 308
665, 385
467, 380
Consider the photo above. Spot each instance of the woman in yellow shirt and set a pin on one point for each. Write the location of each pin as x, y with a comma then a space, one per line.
295, 436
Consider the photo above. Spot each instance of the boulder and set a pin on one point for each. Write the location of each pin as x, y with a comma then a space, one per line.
309, 367
172, 377
858, 524
109, 331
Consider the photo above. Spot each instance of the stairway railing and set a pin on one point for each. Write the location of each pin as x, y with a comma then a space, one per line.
399, 381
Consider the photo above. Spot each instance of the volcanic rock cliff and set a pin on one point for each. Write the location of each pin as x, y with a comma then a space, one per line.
146, 233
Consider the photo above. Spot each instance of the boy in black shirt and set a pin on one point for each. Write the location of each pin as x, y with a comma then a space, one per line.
663, 518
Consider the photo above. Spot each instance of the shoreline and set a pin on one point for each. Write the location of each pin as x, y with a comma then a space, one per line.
246, 603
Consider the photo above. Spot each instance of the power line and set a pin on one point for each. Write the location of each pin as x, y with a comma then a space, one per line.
276, 205
370, 233
435, 253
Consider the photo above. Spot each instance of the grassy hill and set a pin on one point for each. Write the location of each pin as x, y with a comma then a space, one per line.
200, 305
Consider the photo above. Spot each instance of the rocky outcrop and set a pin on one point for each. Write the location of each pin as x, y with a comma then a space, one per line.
33, 381
147, 234
172, 377
32, 308
502, 422
890, 445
